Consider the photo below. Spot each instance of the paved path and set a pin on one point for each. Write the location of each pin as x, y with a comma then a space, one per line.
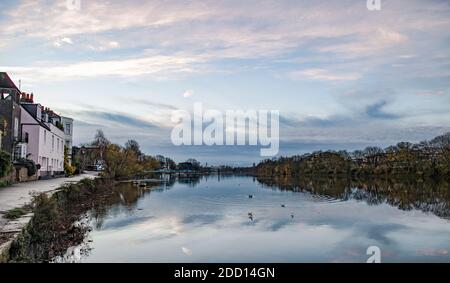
18, 195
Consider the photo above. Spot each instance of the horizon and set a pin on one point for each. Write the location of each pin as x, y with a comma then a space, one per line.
343, 77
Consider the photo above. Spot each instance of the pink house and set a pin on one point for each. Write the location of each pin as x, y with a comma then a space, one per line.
45, 139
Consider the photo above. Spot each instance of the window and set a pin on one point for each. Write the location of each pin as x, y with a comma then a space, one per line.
53, 142
16, 127
45, 136
67, 128
57, 143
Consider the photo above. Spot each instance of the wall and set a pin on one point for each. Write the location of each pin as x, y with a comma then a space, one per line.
9, 110
54, 152
21, 175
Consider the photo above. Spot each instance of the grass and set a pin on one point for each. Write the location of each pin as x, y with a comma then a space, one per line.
15, 213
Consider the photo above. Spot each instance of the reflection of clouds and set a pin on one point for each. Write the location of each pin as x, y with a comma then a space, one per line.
124, 222
380, 232
279, 224
433, 252
201, 219
191, 225
145, 229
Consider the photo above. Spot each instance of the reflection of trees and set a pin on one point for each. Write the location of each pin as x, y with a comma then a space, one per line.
192, 181
124, 194
405, 194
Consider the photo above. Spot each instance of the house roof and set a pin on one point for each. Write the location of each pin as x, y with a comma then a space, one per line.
37, 120
6, 82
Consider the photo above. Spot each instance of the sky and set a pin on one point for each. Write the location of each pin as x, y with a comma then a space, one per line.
341, 75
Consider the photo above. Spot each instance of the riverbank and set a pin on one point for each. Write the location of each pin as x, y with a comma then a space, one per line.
19, 196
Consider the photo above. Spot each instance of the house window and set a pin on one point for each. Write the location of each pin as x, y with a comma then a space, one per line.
16, 127
68, 129
45, 136
53, 142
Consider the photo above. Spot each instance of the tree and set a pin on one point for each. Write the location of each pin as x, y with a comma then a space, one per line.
134, 146
120, 162
373, 155
68, 168
194, 162
101, 142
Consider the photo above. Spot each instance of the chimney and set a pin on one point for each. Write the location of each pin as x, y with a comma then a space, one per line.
32, 98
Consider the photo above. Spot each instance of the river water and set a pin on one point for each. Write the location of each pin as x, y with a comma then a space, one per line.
243, 219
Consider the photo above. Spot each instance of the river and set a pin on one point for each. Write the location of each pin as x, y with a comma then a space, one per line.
245, 219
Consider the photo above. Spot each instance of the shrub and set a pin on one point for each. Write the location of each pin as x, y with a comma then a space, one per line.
29, 164
15, 213
69, 169
5, 163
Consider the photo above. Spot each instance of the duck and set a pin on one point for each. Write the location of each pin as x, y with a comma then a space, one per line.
250, 196
283, 205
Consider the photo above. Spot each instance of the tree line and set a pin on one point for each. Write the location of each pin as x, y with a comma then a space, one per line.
427, 158
125, 161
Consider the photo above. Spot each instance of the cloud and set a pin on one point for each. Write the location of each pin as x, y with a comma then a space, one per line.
153, 104
431, 93
159, 66
112, 119
215, 30
188, 93
379, 39
322, 75
67, 40
62, 41
376, 111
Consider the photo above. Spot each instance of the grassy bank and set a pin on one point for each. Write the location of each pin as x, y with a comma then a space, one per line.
55, 225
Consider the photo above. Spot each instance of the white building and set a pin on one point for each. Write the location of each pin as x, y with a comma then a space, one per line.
68, 134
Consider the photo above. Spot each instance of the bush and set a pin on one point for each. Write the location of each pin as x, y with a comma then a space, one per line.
29, 164
15, 213
69, 169
5, 163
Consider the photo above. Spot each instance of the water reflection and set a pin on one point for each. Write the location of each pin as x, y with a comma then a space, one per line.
245, 219
425, 195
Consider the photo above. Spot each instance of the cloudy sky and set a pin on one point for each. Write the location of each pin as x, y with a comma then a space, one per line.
342, 76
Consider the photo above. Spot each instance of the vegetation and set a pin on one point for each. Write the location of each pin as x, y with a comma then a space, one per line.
57, 221
29, 164
5, 183
128, 161
426, 159
15, 213
5, 163
62, 220
60, 126
68, 168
